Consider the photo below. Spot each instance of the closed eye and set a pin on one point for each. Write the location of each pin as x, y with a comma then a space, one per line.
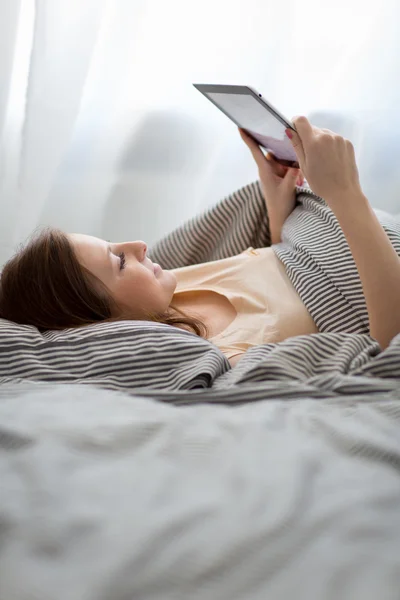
122, 262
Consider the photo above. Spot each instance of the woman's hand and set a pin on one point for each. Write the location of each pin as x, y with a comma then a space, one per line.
326, 159
278, 184
329, 164
274, 177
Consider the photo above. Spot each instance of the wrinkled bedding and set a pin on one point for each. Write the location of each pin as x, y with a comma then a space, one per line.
278, 478
105, 496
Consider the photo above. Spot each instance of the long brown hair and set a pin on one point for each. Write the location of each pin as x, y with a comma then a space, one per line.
45, 285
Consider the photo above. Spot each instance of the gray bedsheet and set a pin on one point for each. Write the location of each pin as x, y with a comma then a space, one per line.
106, 496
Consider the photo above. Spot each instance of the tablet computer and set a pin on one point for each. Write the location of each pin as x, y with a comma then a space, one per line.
246, 107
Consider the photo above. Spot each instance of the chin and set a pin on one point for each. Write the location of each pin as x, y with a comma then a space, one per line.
171, 284
171, 277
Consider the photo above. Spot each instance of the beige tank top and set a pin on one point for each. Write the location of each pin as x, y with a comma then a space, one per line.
255, 282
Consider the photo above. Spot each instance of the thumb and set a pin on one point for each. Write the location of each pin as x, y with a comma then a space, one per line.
290, 178
297, 145
254, 148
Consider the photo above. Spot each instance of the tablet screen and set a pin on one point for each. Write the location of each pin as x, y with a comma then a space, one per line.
252, 116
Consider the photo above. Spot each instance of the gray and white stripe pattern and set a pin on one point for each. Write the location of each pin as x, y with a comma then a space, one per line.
314, 251
173, 365
320, 265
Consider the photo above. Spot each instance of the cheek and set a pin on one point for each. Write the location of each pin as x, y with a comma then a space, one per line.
139, 281
134, 290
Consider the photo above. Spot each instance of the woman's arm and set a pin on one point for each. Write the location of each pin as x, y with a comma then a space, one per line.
329, 164
377, 263
277, 218
278, 184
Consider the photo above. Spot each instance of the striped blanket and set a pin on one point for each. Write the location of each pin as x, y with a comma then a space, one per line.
342, 358
170, 364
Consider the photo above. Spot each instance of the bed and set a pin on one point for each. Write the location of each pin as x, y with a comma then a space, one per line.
169, 474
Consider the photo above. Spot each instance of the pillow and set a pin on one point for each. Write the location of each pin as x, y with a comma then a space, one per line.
125, 355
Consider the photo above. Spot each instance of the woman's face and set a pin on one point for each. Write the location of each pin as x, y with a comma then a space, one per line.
136, 284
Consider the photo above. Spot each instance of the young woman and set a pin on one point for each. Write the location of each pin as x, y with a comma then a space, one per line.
70, 280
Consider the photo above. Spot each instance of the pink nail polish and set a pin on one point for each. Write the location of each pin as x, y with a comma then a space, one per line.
289, 133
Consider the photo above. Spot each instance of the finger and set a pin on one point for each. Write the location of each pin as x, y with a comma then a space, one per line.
304, 129
277, 167
272, 158
254, 148
301, 137
260, 157
291, 177
249, 140
297, 145
327, 131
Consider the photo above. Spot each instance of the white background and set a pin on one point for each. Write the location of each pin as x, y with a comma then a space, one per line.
102, 131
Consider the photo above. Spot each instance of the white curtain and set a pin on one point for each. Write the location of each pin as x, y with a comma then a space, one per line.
102, 132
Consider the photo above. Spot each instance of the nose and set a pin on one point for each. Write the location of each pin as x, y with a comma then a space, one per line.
144, 247
140, 248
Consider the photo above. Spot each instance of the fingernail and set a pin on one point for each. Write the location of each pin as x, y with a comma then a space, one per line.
289, 133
